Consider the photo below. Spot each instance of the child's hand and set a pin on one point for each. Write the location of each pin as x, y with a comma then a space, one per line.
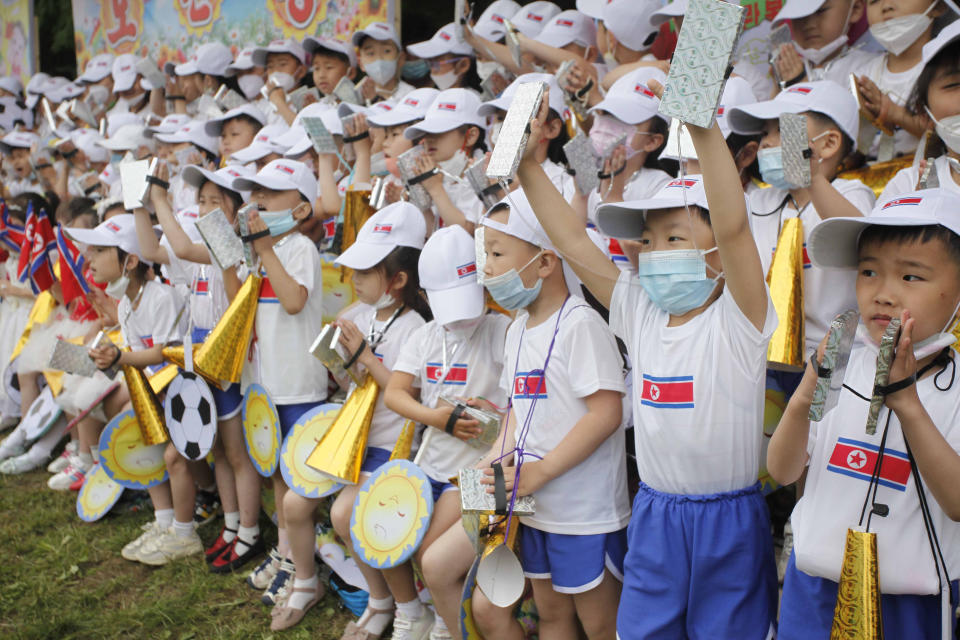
426, 164
614, 167
352, 339
809, 381
464, 429
278, 97
394, 193
106, 356
536, 128
367, 89
358, 126
157, 192
486, 405
255, 225
904, 367
789, 64
871, 98
532, 478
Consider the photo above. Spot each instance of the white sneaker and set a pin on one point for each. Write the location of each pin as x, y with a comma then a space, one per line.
406, 629
63, 460
261, 577
168, 546
440, 631
13, 445
75, 470
21, 464
151, 529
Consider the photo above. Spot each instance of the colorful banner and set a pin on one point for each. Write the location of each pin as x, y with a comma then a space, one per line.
17, 43
171, 29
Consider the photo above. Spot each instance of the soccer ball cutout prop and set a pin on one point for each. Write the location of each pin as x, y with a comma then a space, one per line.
42, 415
11, 383
191, 415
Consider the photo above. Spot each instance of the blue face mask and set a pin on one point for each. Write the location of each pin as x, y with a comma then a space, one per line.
508, 290
278, 222
414, 70
676, 281
771, 168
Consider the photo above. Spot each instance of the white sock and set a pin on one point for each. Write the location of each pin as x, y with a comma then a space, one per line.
246, 536
375, 623
183, 529
95, 453
283, 542
232, 522
73, 446
164, 517
412, 610
299, 599
86, 460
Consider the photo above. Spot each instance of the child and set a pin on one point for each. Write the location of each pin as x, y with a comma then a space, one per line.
832, 121
934, 95
192, 145
286, 65
331, 61
16, 148
384, 260
452, 133
236, 129
289, 317
820, 50
458, 355
450, 59
149, 315
264, 149
907, 257
247, 75
203, 73
562, 440
697, 452
380, 58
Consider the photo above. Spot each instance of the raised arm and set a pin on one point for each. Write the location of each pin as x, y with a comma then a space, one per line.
183, 247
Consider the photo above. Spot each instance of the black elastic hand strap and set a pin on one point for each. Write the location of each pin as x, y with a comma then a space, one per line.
422, 177
491, 190
499, 490
585, 89
163, 184
115, 360
822, 372
91, 189
795, 79
454, 416
68, 154
807, 153
893, 387
356, 356
176, 98
359, 136
255, 236
606, 176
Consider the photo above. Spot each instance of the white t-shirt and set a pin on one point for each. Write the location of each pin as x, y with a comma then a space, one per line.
562, 180
842, 458
591, 497
697, 393
852, 60
474, 370
826, 292
645, 183
154, 321
386, 425
906, 180
285, 367
898, 86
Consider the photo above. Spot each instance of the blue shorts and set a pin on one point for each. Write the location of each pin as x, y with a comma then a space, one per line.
698, 567
784, 381
229, 402
290, 413
572, 563
806, 610
438, 488
374, 457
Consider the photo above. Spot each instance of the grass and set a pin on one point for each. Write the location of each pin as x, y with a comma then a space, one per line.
63, 578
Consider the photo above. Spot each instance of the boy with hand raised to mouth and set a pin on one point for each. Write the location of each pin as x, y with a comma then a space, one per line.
696, 306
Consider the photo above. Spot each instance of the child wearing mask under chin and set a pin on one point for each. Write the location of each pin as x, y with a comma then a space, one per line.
452, 133
381, 59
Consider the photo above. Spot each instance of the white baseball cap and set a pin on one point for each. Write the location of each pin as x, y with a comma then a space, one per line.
243, 62
793, 9
194, 132
490, 23
399, 224
264, 143
444, 41
98, 68
88, 141
129, 137
215, 126
345, 109
286, 45
282, 175
448, 273
11, 84
451, 109
592, 8
34, 88
65, 91
834, 242
124, 72
195, 177
630, 22
314, 45
411, 108
377, 31
211, 58
18, 140
170, 124
569, 27
121, 119
532, 18
736, 92
119, 231
948, 34
824, 96
503, 101
630, 100
626, 219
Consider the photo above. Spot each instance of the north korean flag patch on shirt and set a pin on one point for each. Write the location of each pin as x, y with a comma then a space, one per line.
857, 459
674, 392
528, 385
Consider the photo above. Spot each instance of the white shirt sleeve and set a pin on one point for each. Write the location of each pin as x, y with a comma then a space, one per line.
593, 362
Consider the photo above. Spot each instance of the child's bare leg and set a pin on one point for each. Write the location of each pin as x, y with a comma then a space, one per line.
247, 480
496, 622
182, 489
445, 561
597, 608
225, 479
558, 615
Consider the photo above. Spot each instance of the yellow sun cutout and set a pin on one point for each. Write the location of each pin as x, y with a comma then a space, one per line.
391, 514
125, 457
98, 495
303, 438
261, 429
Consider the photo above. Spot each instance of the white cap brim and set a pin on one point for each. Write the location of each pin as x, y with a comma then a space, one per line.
626, 219
628, 111
457, 303
439, 125
749, 119
364, 255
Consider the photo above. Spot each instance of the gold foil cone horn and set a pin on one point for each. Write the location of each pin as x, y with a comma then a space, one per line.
222, 354
146, 406
404, 444
356, 211
785, 350
175, 356
857, 613
339, 454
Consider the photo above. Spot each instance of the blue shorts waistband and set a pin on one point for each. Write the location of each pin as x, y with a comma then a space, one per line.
753, 489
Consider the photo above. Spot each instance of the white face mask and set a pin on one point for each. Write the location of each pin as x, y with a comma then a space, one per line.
98, 94
445, 80
456, 164
118, 288
283, 80
817, 56
250, 85
486, 68
381, 71
897, 34
495, 131
386, 300
949, 130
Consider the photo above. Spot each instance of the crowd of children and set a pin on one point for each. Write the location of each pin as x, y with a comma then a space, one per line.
620, 335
